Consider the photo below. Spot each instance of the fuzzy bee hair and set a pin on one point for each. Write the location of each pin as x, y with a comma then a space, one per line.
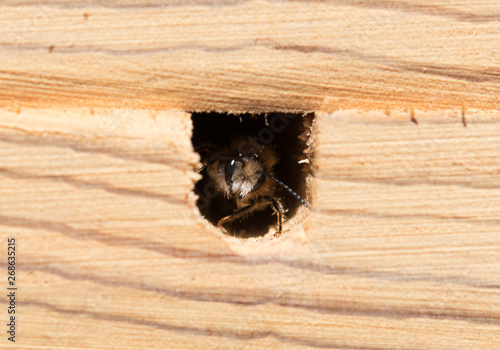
243, 172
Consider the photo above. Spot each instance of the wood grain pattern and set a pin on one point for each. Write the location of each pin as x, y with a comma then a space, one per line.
251, 56
400, 249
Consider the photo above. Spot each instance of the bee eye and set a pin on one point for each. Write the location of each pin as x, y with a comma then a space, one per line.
229, 171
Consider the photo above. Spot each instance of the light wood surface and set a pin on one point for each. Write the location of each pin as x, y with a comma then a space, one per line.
400, 249
251, 56
401, 246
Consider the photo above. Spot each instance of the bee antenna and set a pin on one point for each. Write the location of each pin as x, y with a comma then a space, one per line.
210, 161
199, 170
203, 167
287, 188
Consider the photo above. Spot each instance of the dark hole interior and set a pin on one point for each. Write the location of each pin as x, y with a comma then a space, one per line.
287, 134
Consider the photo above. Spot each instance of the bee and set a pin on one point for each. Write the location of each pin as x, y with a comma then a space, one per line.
243, 174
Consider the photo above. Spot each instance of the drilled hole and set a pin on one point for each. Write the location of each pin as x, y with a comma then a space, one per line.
220, 138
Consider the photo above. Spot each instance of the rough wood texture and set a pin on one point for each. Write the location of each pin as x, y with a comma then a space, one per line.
251, 55
400, 249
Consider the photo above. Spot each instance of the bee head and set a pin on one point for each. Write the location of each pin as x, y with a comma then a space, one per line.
242, 174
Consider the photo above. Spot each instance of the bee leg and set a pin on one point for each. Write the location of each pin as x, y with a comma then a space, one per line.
278, 209
234, 216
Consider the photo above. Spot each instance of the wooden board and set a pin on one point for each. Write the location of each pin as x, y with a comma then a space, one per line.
251, 56
400, 249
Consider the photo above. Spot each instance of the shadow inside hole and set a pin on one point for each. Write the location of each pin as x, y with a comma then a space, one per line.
287, 134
